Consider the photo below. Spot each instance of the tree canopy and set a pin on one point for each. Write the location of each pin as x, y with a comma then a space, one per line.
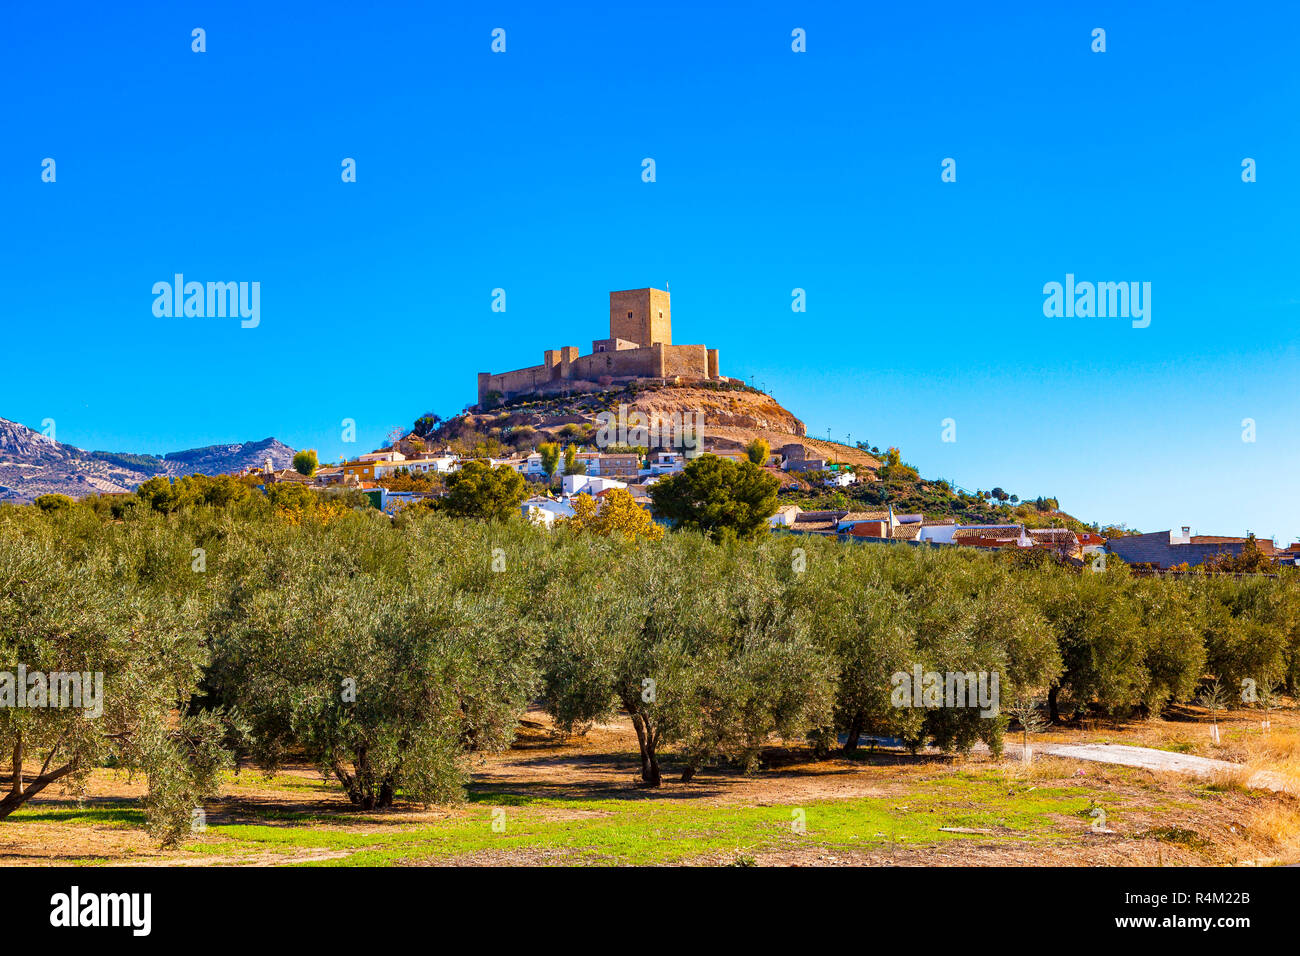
615, 513
390, 650
305, 462
550, 452
479, 490
717, 495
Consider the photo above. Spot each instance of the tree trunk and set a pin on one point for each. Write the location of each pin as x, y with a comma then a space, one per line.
855, 731
652, 777
365, 780
16, 799
640, 742
345, 778
1052, 711
649, 762
16, 786
653, 737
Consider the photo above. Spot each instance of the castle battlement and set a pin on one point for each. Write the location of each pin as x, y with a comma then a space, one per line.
640, 346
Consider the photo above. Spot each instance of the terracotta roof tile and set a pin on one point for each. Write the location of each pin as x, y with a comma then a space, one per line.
864, 515
988, 531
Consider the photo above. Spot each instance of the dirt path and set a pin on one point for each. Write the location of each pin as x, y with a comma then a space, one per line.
1151, 759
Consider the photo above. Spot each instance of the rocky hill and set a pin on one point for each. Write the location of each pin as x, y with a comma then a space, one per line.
733, 415
32, 464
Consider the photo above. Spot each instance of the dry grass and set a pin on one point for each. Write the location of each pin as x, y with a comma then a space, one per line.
1231, 781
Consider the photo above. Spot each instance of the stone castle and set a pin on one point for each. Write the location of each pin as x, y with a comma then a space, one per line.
640, 346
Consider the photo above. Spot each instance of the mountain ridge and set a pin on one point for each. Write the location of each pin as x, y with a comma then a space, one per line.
32, 464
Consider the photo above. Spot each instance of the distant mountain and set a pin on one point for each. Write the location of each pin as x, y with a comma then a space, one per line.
219, 459
32, 465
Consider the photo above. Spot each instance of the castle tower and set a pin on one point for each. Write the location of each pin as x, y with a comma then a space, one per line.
643, 316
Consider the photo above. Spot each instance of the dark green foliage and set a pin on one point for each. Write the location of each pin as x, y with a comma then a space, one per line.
54, 502
145, 463
305, 462
386, 657
478, 490
716, 496
122, 602
426, 424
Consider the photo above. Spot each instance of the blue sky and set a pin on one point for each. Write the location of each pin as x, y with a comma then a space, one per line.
775, 170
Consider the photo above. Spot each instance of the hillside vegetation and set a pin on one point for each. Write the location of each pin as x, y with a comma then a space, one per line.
901, 487
734, 415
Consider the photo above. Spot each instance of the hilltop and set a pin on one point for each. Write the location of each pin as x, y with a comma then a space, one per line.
734, 415
639, 368
32, 464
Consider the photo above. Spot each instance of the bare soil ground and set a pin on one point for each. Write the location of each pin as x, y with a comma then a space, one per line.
1154, 817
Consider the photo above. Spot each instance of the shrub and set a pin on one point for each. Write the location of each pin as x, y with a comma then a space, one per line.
717, 495
478, 490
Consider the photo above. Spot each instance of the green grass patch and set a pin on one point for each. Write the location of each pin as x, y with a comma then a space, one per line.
88, 815
649, 831
640, 829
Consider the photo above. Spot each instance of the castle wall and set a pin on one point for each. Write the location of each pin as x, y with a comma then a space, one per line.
688, 361
520, 380
639, 346
623, 363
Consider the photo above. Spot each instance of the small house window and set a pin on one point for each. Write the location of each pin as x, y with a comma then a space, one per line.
629, 315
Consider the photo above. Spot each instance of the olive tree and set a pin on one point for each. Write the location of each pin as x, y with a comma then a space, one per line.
1097, 627
697, 646
865, 628
386, 658
1172, 642
99, 661
1247, 623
